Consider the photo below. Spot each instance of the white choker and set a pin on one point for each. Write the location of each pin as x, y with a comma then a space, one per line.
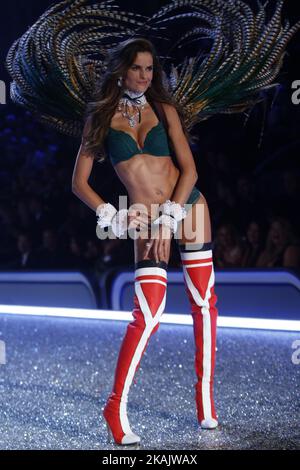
135, 94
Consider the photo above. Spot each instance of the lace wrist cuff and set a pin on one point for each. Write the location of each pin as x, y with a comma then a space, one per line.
174, 209
105, 213
119, 222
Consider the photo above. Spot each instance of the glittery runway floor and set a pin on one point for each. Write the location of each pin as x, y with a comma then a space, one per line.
59, 372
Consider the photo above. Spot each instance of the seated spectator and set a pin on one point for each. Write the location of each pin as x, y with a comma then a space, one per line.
50, 254
75, 258
282, 247
25, 257
254, 244
228, 247
41, 216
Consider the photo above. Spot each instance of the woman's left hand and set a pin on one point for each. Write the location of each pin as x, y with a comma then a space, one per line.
161, 244
138, 220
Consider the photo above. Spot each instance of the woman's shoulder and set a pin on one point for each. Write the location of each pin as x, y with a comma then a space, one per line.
169, 109
171, 115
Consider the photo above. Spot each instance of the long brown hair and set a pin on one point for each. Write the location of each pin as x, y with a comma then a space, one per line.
99, 112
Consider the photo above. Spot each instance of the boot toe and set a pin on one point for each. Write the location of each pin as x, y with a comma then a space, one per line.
131, 439
210, 423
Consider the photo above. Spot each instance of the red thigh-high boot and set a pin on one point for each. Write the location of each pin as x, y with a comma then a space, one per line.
149, 303
199, 279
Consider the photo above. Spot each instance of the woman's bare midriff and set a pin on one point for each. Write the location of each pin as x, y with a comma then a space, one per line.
149, 180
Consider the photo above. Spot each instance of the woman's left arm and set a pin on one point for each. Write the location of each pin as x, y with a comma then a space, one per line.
188, 172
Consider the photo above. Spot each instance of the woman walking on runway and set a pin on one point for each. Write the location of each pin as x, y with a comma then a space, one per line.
140, 118
132, 108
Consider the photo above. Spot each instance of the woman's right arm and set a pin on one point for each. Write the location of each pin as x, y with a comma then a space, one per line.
82, 170
82, 189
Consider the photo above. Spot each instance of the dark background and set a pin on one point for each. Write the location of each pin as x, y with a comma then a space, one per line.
252, 192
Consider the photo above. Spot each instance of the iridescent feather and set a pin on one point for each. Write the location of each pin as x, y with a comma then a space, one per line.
57, 62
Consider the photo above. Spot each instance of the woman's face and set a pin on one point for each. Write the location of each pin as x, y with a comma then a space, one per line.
277, 233
140, 73
253, 233
224, 236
